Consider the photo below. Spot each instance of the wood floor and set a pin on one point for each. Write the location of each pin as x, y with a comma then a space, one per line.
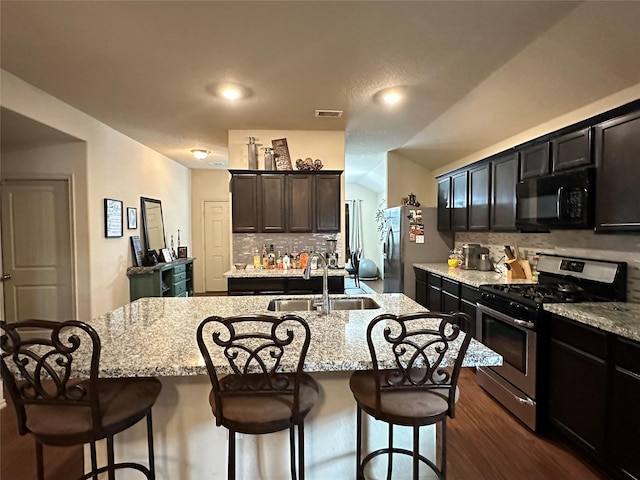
484, 443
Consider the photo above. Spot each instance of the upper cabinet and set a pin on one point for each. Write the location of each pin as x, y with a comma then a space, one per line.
444, 204
459, 201
504, 173
535, 160
479, 196
617, 153
572, 150
282, 202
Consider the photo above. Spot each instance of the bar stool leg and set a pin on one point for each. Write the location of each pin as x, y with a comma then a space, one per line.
443, 448
110, 457
390, 462
292, 451
231, 467
416, 446
94, 461
39, 462
359, 473
152, 463
301, 450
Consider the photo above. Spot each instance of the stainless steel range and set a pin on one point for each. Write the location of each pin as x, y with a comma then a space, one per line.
511, 321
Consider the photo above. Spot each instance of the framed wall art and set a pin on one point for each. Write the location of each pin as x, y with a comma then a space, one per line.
132, 218
182, 252
112, 218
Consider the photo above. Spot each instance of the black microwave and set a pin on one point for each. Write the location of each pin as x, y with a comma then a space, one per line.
558, 201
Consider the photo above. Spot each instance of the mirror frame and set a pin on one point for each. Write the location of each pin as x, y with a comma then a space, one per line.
145, 226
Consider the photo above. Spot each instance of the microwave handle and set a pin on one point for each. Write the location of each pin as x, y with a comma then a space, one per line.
559, 197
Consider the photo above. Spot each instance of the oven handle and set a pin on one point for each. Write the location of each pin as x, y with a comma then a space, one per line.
505, 318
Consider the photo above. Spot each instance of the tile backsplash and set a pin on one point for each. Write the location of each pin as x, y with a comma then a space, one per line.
244, 243
577, 243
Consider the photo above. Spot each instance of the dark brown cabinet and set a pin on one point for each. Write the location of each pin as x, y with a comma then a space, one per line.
617, 152
327, 202
421, 286
469, 295
459, 201
535, 160
266, 202
444, 204
434, 292
504, 175
594, 387
578, 385
272, 203
625, 425
572, 150
479, 193
282, 285
244, 211
300, 214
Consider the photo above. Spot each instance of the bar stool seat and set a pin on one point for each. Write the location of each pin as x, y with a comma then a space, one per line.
40, 360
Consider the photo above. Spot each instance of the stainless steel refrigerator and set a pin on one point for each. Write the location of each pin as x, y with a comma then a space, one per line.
403, 246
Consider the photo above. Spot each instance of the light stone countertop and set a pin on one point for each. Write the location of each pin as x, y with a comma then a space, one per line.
251, 272
620, 318
157, 336
470, 277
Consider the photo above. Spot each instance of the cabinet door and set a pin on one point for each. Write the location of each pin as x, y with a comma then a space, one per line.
444, 204
534, 161
421, 286
625, 461
244, 203
572, 150
299, 202
479, 185
272, 205
578, 385
328, 202
504, 176
617, 151
459, 199
434, 289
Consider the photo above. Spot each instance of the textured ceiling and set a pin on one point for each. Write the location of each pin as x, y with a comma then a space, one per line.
474, 73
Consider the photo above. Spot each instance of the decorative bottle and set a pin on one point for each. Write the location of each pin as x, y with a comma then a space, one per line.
253, 154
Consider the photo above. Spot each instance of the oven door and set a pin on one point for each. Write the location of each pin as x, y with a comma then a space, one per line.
516, 341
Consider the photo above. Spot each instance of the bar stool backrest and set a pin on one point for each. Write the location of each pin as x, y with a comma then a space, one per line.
408, 355
39, 361
264, 355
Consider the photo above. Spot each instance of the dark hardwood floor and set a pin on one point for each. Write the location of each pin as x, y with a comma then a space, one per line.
486, 442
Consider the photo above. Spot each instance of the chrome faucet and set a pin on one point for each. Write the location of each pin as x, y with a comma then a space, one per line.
324, 306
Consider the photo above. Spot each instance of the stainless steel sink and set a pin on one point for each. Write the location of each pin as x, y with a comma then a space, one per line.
306, 304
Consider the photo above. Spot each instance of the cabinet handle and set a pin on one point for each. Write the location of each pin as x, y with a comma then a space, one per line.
632, 224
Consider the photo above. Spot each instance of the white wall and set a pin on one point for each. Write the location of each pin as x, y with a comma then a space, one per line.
116, 167
405, 177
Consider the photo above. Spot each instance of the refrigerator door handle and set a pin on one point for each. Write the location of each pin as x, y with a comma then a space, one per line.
388, 245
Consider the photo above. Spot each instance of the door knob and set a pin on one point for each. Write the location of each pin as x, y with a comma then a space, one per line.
6, 276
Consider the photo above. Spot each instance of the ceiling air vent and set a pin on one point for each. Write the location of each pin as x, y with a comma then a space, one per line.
328, 113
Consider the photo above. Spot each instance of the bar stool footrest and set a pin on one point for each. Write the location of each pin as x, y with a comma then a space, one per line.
401, 451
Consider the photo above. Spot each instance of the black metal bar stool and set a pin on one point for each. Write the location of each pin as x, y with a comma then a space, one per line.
409, 384
40, 359
263, 388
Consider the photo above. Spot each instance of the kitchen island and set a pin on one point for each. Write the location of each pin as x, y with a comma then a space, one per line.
157, 337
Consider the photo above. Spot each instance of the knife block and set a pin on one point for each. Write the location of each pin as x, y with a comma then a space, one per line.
518, 269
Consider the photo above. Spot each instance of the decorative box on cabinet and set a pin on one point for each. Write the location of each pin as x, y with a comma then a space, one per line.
173, 279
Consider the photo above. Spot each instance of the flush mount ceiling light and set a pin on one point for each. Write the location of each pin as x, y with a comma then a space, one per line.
390, 96
200, 153
231, 93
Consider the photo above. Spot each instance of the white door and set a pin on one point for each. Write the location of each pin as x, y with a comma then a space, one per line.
216, 245
37, 250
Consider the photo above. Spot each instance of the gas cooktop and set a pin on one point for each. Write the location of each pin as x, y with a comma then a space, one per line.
563, 280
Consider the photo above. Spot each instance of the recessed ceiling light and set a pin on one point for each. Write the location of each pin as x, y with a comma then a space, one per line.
231, 93
200, 153
391, 98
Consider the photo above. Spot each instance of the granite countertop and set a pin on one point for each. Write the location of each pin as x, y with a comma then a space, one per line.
620, 318
251, 272
470, 277
157, 336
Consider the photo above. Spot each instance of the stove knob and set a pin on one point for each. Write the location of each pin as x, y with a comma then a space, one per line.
487, 296
515, 305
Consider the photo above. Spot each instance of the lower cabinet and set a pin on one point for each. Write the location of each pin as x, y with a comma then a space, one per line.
173, 279
441, 294
594, 387
282, 285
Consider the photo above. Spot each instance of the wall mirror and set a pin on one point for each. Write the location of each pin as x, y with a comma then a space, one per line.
152, 224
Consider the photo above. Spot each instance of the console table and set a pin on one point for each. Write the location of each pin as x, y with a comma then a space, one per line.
171, 279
